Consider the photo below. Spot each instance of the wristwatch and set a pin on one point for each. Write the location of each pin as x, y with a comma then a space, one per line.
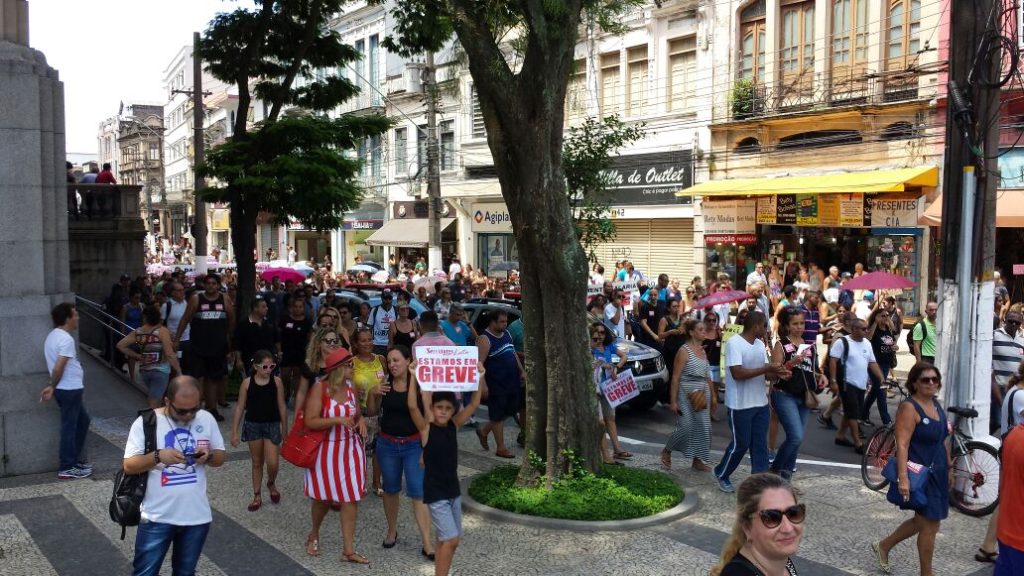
156, 456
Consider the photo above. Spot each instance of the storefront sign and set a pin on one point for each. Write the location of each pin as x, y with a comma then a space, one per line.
806, 209
828, 210
785, 209
452, 368
745, 239
220, 219
491, 218
362, 224
851, 210
894, 211
730, 216
766, 209
651, 178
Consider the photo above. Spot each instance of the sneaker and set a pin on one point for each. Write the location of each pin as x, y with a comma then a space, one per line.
73, 473
726, 486
84, 466
826, 421
771, 456
472, 422
867, 422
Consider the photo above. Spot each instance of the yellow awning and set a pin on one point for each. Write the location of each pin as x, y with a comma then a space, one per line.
843, 183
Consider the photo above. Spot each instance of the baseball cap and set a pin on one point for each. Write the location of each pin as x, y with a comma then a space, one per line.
387, 294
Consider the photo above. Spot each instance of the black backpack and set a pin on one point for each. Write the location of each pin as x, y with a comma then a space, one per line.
129, 489
910, 334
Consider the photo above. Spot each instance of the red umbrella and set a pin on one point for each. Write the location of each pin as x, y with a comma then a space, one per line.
721, 298
879, 281
285, 274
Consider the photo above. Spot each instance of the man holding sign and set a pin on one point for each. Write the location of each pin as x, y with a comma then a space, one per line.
505, 376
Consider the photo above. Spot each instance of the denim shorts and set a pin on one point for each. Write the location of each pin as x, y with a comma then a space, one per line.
397, 460
446, 516
261, 431
156, 382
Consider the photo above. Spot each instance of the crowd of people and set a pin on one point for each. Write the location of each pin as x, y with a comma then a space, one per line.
304, 353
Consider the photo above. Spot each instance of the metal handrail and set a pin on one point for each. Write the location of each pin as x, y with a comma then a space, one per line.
111, 331
84, 303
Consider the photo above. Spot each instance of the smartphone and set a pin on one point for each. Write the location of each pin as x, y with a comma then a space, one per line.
198, 455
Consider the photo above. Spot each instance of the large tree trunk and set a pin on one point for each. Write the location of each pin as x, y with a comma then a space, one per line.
243, 239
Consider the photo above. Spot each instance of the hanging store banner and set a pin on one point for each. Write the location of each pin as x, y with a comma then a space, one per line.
651, 178
785, 209
894, 211
806, 209
730, 216
766, 208
851, 210
828, 210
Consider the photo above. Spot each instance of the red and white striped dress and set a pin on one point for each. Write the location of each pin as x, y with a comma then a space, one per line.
339, 474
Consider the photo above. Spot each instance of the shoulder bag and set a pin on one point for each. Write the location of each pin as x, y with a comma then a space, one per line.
917, 476
302, 444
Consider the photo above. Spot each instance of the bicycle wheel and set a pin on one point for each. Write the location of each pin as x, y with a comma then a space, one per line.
881, 446
975, 490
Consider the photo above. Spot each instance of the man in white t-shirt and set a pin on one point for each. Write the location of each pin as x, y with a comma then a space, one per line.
68, 388
172, 314
454, 268
614, 313
176, 508
854, 355
746, 397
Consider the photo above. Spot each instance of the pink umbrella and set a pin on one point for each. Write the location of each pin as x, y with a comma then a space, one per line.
721, 298
285, 274
879, 281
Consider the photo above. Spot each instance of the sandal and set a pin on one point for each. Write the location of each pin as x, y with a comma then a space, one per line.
354, 557
482, 436
275, 496
386, 544
666, 460
623, 455
876, 547
613, 463
257, 501
379, 492
700, 466
987, 557
312, 546
504, 454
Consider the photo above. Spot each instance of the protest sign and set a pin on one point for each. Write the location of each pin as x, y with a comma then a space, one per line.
621, 389
451, 368
630, 293
729, 331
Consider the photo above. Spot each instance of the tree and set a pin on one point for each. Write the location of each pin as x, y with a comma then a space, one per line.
523, 112
295, 163
586, 156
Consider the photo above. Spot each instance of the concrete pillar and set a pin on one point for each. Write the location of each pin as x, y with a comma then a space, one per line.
34, 272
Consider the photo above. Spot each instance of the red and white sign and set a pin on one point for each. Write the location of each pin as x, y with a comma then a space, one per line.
621, 389
1018, 269
449, 368
711, 239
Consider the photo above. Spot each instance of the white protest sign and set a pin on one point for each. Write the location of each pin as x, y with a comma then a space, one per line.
621, 389
448, 368
630, 293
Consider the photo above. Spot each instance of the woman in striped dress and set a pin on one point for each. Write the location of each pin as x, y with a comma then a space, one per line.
339, 474
692, 435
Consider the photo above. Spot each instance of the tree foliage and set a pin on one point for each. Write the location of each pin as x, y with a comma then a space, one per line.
587, 154
293, 163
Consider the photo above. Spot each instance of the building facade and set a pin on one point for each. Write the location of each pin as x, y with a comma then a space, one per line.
140, 141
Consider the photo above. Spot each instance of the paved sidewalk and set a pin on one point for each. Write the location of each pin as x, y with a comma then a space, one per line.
52, 527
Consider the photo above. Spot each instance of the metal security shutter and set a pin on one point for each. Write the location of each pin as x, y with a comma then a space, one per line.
671, 249
631, 242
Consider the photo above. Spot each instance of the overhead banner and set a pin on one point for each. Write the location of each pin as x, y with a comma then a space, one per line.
851, 210
730, 216
806, 209
894, 211
651, 178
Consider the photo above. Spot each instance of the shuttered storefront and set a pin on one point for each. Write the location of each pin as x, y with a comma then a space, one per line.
653, 246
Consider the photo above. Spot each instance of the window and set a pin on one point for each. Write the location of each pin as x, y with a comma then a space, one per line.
636, 95
447, 145
682, 67
752, 42
373, 76
576, 92
154, 151
796, 56
361, 154
421, 148
376, 158
401, 144
849, 33
904, 39
479, 130
610, 84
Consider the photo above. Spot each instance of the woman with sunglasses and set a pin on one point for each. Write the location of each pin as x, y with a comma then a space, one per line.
347, 326
713, 349
883, 334
403, 331
261, 399
767, 531
921, 437
323, 342
368, 375
603, 350
338, 474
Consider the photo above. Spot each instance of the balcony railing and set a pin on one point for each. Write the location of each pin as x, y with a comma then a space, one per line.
103, 201
796, 95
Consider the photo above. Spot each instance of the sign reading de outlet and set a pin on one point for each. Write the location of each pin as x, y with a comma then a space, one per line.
491, 218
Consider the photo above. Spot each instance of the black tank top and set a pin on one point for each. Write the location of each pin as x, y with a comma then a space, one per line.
394, 414
802, 378
261, 402
440, 463
208, 334
405, 338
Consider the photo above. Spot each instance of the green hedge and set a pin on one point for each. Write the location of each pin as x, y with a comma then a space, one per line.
617, 493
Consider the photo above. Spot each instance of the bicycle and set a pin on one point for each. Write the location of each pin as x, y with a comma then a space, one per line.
975, 471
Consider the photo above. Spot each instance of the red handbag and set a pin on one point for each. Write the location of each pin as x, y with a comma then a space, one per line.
302, 444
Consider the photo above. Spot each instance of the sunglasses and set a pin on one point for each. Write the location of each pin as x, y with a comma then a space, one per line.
330, 341
267, 367
772, 518
929, 380
183, 411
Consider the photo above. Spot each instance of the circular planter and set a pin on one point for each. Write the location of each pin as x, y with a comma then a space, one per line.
688, 506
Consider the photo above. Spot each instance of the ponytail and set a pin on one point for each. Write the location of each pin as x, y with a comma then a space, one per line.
732, 546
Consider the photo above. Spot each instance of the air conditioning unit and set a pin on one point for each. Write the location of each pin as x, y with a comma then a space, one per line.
412, 75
